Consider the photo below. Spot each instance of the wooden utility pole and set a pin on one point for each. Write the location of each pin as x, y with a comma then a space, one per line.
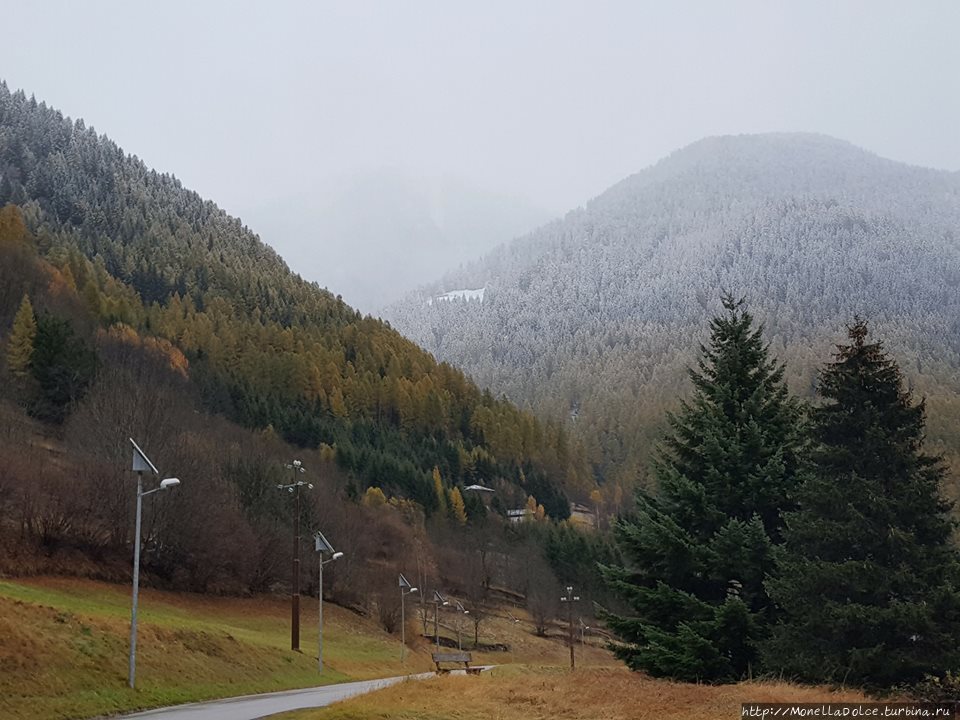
295, 599
294, 488
570, 599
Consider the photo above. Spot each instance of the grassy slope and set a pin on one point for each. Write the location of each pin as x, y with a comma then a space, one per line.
515, 693
63, 648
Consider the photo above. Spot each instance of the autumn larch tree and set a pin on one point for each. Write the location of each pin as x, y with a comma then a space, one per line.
22, 337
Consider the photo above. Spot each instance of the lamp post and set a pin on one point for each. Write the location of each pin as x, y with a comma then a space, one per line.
570, 599
141, 464
405, 589
463, 611
438, 600
296, 467
322, 546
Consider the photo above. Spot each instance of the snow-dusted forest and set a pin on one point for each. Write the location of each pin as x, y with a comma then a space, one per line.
596, 316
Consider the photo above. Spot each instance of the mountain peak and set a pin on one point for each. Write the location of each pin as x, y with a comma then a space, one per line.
600, 311
727, 168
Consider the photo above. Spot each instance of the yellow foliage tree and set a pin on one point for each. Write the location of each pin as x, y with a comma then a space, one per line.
374, 497
337, 405
175, 359
457, 508
12, 228
531, 507
24, 332
438, 489
69, 280
328, 453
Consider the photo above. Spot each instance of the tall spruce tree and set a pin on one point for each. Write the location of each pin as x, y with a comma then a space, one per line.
867, 578
700, 544
63, 366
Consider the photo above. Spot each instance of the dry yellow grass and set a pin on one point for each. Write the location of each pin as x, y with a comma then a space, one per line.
513, 693
63, 648
528, 649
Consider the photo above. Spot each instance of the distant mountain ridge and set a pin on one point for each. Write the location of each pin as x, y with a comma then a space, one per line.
596, 315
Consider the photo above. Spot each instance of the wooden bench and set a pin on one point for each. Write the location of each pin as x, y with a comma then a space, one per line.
454, 657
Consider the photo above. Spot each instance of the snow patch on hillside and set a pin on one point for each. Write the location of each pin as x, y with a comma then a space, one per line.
467, 295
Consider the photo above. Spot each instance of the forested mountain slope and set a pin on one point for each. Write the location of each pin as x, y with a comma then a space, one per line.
261, 346
595, 316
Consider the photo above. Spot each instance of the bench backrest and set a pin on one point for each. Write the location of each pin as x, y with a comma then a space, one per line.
451, 657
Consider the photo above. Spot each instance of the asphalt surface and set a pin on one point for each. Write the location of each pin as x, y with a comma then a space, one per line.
253, 707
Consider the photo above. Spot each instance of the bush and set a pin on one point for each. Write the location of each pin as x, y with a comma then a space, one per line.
934, 689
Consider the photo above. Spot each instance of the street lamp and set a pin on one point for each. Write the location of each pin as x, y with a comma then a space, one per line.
438, 600
570, 599
141, 464
296, 467
463, 611
405, 589
322, 546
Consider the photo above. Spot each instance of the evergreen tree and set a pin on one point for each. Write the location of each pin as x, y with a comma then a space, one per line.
22, 336
698, 548
867, 578
63, 366
473, 506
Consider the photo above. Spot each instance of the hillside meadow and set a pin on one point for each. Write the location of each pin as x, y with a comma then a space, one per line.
63, 648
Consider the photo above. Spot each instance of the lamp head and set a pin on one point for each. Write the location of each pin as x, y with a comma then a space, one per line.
337, 556
168, 483
413, 589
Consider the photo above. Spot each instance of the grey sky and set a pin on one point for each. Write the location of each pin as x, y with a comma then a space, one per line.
549, 101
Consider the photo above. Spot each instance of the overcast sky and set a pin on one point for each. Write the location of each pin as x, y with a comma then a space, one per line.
548, 101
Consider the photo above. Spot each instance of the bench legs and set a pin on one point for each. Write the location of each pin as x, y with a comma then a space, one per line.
466, 667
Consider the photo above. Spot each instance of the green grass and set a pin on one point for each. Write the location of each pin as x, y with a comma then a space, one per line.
63, 648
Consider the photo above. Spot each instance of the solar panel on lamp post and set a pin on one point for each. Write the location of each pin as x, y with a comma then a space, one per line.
462, 611
141, 464
322, 546
405, 589
438, 600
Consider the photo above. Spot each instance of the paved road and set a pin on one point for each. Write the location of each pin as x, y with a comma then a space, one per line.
253, 707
